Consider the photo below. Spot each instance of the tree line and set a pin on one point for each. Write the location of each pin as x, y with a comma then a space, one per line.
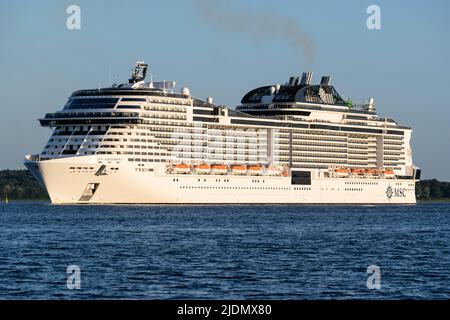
21, 185
432, 189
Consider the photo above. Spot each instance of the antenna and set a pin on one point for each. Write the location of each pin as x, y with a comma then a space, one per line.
109, 69
114, 83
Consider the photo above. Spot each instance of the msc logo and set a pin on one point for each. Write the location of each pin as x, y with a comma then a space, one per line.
395, 192
389, 192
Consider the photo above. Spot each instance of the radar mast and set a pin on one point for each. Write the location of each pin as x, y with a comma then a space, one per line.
138, 73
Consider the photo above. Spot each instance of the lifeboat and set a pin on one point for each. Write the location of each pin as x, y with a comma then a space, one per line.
238, 169
341, 172
181, 168
355, 171
389, 173
371, 171
202, 168
219, 169
273, 171
255, 170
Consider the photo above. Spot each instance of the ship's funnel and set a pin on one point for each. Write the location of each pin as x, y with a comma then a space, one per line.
306, 78
325, 81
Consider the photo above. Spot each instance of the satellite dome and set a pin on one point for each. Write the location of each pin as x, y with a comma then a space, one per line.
185, 91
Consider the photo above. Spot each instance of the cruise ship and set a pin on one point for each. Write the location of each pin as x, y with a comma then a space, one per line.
145, 142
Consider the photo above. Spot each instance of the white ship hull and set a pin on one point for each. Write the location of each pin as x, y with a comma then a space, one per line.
67, 179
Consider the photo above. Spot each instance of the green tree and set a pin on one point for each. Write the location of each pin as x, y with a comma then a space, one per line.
20, 184
435, 189
6, 190
419, 190
426, 192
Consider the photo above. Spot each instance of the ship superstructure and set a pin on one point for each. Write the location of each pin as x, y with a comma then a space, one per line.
297, 142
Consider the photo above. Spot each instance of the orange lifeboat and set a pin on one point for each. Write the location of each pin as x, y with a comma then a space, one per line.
371, 171
238, 169
389, 173
341, 172
358, 171
181, 168
273, 171
219, 169
202, 168
255, 170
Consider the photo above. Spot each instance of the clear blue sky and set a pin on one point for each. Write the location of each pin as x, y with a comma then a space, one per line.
234, 47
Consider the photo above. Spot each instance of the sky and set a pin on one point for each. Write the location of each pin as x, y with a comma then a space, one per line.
224, 49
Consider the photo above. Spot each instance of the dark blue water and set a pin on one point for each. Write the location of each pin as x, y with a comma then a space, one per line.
224, 252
